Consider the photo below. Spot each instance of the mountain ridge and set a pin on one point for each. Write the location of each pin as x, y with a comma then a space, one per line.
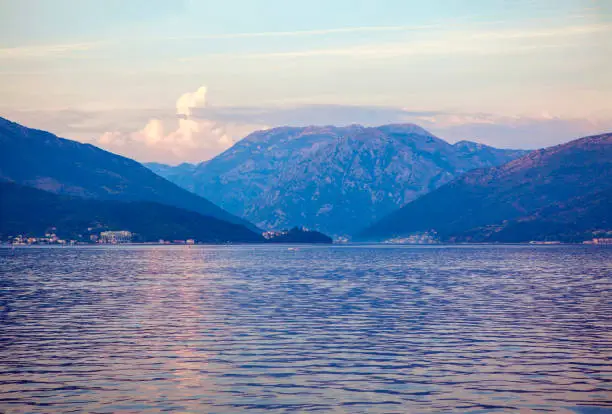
552, 192
43, 160
329, 178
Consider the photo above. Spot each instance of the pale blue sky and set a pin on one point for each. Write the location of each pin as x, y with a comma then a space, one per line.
507, 73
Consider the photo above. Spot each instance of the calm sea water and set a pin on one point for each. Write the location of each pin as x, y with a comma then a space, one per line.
341, 329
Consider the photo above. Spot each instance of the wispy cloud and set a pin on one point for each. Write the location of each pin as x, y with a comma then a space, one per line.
57, 49
389, 50
316, 32
451, 42
550, 32
45, 50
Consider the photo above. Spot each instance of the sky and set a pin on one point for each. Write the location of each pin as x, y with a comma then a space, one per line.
181, 81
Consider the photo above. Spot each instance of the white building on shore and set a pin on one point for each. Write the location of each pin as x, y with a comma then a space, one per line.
115, 237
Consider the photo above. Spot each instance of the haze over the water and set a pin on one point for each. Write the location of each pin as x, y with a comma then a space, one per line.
511, 74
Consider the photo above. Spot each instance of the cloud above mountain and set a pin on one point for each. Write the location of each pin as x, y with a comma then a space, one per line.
190, 100
182, 138
195, 131
527, 131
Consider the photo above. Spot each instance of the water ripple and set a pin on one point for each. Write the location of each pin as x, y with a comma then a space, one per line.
341, 329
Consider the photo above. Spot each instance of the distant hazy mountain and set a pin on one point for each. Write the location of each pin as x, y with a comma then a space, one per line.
30, 212
184, 169
40, 159
334, 179
558, 193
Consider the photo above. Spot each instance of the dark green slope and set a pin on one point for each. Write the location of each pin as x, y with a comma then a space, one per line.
29, 211
40, 159
562, 193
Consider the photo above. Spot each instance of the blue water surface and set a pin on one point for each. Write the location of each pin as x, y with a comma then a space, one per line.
340, 329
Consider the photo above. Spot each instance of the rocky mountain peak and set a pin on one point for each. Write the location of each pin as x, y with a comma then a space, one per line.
328, 178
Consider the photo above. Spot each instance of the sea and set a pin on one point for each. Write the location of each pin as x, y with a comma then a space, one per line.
295, 329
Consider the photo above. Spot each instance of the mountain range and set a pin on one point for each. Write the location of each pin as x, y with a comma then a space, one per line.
337, 179
559, 193
334, 179
42, 160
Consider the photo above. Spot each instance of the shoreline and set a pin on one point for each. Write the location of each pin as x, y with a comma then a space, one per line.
356, 244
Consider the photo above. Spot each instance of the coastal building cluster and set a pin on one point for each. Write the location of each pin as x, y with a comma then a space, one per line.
416, 238
602, 241
48, 238
115, 237
188, 241
105, 237
124, 237
272, 234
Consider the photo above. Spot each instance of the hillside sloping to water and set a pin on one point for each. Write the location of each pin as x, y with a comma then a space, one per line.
558, 193
31, 212
40, 159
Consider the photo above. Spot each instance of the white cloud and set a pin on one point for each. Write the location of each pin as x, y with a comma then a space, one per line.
191, 100
186, 139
